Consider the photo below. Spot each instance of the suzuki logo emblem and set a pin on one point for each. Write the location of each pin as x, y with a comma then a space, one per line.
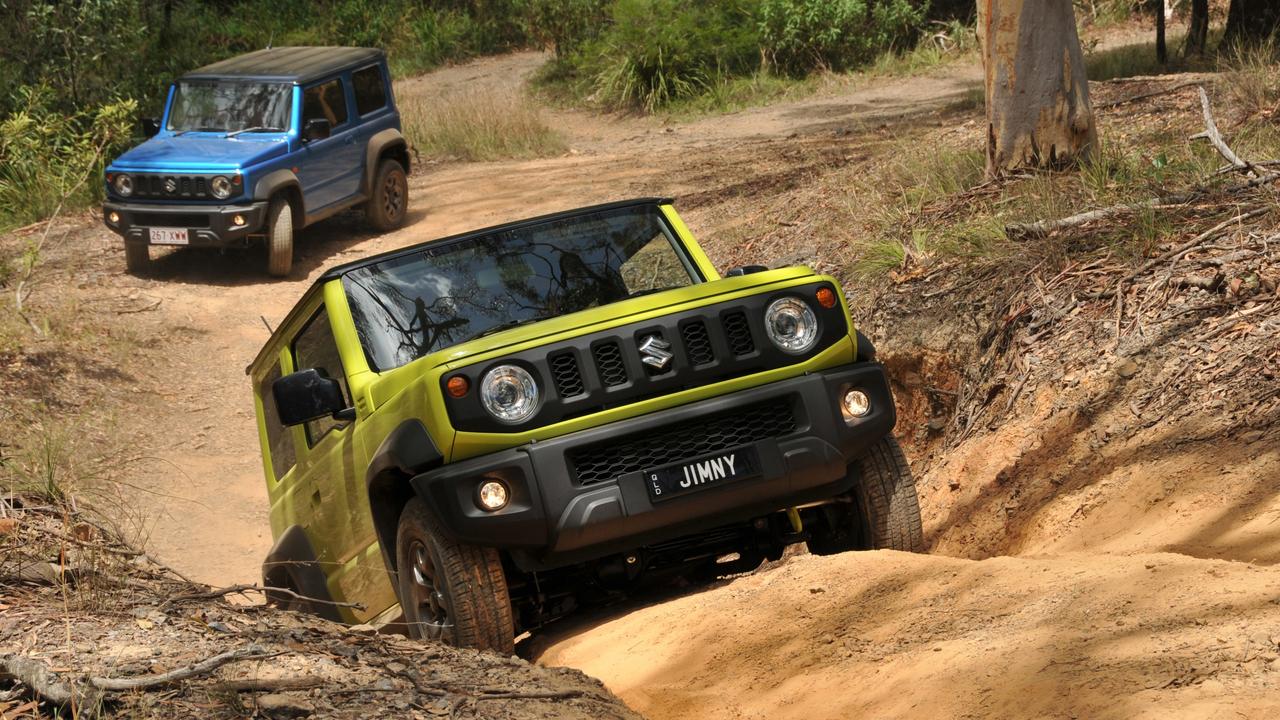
170, 185
655, 352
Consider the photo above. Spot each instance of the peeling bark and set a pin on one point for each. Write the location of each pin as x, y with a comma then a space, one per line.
1038, 111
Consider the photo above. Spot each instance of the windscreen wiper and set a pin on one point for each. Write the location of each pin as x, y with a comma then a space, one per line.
254, 129
651, 291
506, 326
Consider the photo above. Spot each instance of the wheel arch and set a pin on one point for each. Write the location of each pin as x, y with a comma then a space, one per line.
407, 451
283, 182
385, 143
292, 563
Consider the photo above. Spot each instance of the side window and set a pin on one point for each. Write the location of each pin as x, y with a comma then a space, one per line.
370, 89
279, 439
325, 101
315, 348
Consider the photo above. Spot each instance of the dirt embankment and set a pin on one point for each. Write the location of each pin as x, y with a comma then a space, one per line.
1133, 475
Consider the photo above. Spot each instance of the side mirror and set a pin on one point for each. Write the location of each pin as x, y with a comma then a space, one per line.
150, 126
316, 129
745, 270
308, 395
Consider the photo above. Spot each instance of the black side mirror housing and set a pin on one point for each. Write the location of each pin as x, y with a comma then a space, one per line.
150, 126
308, 395
316, 129
745, 270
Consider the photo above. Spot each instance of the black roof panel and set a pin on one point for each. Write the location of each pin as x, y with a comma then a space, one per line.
288, 64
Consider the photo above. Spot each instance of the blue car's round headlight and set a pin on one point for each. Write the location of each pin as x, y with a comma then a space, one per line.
123, 185
220, 186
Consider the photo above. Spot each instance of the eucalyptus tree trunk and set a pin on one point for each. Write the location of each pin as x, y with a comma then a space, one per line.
1038, 111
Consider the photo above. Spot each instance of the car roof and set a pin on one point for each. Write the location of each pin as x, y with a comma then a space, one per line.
338, 271
287, 64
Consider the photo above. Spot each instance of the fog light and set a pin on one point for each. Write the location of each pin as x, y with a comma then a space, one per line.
492, 495
237, 220
114, 218
854, 404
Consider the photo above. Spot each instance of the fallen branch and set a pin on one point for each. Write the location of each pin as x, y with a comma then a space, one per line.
234, 589
45, 683
204, 667
562, 695
1181, 249
1215, 138
1144, 96
1044, 227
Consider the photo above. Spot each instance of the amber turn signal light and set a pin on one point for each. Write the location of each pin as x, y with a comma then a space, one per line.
457, 386
826, 297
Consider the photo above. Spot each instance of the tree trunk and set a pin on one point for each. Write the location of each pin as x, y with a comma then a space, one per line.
1250, 21
1198, 28
1038, 111
1162, 50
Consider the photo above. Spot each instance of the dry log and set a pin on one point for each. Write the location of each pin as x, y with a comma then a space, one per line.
1153, 93
46, 683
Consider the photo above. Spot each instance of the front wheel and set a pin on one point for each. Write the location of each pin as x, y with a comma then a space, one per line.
883, 512
279, 238
448, 591
386, 207
137, 258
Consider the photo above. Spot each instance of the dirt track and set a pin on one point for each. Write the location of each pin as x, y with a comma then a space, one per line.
1050, 633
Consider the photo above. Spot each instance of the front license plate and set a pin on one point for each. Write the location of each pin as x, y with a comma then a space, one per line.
707, 471
169, 236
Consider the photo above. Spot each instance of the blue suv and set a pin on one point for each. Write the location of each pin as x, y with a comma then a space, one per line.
258, 146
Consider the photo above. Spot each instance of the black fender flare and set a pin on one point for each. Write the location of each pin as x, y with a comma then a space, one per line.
283, 179
407, 451
293, 562
866, 351
382, 141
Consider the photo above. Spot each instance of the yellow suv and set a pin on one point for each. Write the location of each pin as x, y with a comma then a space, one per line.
477, 434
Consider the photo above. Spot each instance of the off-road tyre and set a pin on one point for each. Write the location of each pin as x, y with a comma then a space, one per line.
279, 230
884, 513
137, 258
466, 582
387, 204
285, 601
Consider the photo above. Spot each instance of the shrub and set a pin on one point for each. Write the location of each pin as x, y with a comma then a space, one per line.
566, 24
657, 51
803, 35
49, 159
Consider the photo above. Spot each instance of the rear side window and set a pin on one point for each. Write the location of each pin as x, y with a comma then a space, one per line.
370, 89
279, 439
325, 101
315, 348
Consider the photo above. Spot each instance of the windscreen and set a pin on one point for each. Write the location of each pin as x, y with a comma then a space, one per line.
230, 106
454, 291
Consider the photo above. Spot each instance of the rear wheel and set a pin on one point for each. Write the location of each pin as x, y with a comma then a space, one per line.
884, 513
449, 591
279, 238
137, 257
386, 207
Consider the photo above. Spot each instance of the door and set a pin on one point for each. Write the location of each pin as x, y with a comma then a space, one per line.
330, 169
330, 487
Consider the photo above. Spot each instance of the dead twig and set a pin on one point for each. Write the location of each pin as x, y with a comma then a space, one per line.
45, 683
204, 667
1144, 96
243, 588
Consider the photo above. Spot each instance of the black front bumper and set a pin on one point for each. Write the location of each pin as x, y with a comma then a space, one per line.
206, 225
553, 520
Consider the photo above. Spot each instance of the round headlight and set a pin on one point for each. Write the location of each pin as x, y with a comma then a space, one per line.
791, 325
220, 186
124, 185
509, 394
